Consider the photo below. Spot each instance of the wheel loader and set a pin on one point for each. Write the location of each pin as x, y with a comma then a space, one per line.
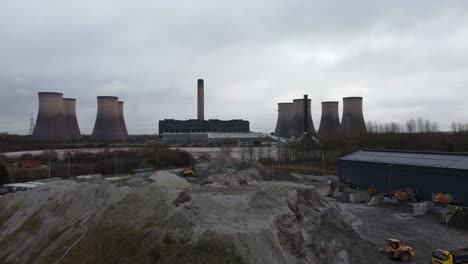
396, 250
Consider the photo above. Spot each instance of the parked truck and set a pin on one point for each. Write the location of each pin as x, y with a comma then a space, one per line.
459, 256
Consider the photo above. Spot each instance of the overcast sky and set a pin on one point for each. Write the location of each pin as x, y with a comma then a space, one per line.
406, 58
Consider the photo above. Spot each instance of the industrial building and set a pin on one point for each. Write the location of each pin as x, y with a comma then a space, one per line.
206, 138
195, 125
426, 172
200, 125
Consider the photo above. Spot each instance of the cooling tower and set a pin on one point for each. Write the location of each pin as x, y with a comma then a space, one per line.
284, 123
330, 121
352, 121
50, 122
122, 119
107, 126
201, 99
71, 123
298, 118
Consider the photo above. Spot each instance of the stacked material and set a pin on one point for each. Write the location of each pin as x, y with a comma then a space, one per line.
422, 208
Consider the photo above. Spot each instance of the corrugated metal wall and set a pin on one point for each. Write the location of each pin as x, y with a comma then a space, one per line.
425, 180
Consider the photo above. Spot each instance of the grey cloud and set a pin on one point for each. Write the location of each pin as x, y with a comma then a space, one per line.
404, 58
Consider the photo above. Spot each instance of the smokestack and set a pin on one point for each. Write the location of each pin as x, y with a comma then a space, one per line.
330, 121
201, 99
122, 119
284, 123
50, 122
107, 126
71, 123
298, 115
352, 121
305, 115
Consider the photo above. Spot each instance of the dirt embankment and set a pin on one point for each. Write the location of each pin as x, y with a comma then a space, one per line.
140, 221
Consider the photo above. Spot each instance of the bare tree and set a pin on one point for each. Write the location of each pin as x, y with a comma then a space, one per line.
411, 125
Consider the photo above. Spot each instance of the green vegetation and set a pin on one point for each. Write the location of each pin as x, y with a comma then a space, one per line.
107, 162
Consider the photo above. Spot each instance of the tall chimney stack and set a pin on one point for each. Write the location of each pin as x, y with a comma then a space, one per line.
306, 123
201, 100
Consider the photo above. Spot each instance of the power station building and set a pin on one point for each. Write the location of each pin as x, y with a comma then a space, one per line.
426, 172
199, 130
195, 125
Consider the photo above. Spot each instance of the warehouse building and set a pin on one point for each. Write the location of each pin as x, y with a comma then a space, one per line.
427, 172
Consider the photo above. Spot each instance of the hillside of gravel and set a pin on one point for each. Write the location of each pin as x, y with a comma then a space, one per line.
236, 218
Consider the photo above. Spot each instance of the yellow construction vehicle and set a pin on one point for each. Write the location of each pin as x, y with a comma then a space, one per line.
188, 172
440, 256
396, 250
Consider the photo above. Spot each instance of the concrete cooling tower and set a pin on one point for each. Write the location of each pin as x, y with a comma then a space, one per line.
50, 122
298, 118
330, 121
352, 121
284, 123
71, 123
122, 119
107, 126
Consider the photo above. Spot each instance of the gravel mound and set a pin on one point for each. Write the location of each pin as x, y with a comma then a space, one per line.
169, 180
152, 223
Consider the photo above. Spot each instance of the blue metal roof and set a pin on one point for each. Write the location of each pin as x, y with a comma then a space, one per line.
422, 159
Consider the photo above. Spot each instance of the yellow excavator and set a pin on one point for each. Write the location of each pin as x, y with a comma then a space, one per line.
396, 250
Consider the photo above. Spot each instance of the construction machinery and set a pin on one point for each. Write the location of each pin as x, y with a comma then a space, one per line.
440, 256
396, 250
404, 195
444, 199
188, 172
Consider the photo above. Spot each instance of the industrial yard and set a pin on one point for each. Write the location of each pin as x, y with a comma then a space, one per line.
230, 213
423, 233
234, 132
